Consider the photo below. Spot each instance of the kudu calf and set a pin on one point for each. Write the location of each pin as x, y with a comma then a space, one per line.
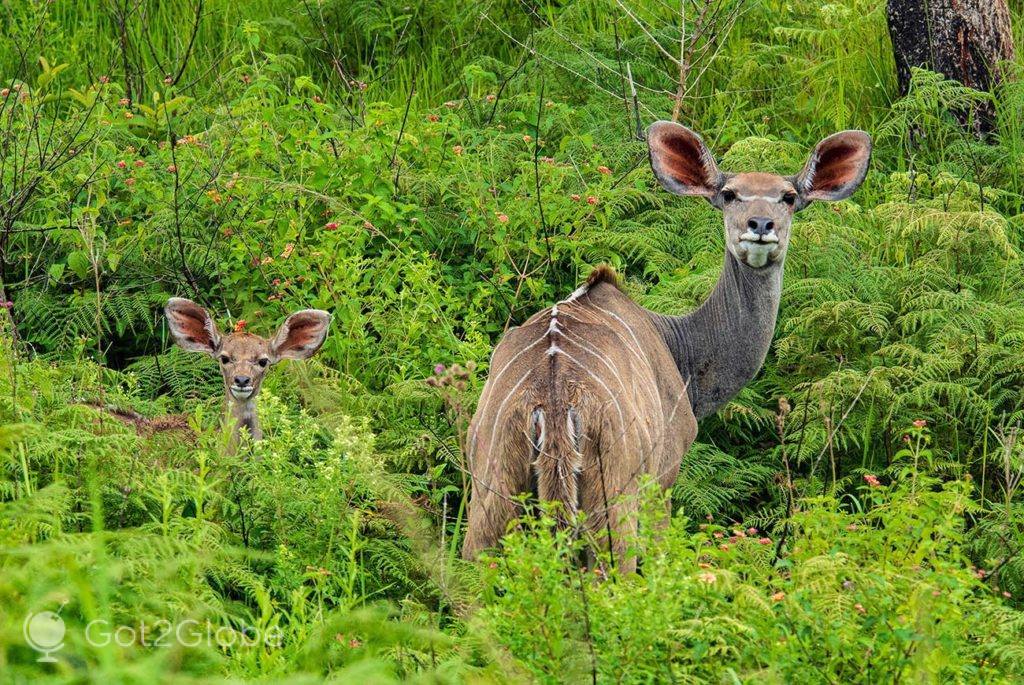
244, 358
591, 393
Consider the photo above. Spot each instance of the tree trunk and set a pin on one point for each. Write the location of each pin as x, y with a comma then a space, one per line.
964, 40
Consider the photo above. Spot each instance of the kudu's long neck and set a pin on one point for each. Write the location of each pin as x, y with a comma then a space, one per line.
720, 346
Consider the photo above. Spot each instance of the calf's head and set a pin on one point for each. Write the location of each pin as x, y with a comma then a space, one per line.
758, 207
243, 357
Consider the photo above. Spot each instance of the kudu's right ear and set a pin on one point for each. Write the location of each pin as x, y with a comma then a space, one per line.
682, 162
836, 167
192, 326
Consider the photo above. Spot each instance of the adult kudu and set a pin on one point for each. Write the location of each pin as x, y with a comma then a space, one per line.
590, 394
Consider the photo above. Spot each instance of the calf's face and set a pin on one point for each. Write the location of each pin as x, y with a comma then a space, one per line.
243, 357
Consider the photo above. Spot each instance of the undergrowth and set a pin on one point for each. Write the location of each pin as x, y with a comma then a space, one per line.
432, 175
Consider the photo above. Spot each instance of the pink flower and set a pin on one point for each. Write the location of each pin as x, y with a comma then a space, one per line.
1007, 594
104, 79
439, 369
331, 226
457, 150
604, 170
871, 480
724, 547
122, 164
171, 168
124, 102
751, 531
719, 535
920, 423
860, 608
7, 305
575, 197
779, 596
503, 218
129, 181
527, 139
707, 578
591, 200
240, 325
5, 92
433, 118
139, 164
764, 541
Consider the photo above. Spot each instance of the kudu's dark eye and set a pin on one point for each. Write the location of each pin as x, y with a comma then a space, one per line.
263, 362
789, 199
728, 195
224, 359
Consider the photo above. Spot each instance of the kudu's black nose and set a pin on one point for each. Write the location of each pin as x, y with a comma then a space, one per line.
243, 381
760, 225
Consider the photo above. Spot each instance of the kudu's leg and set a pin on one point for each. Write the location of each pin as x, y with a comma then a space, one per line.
498, 478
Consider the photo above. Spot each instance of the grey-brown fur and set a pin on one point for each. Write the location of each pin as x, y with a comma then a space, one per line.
593, 392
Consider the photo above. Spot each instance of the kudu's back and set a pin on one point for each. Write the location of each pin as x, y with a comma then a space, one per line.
581, 401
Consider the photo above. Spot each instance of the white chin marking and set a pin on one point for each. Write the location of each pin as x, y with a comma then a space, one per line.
757, 253
241, 394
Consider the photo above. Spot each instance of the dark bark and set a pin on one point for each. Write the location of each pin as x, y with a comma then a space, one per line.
964, 40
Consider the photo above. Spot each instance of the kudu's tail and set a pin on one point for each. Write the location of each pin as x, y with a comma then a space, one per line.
556, 433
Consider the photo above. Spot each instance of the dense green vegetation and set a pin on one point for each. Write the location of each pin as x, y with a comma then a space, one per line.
431, 173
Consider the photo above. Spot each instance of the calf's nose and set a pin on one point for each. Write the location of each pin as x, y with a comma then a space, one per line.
243, 381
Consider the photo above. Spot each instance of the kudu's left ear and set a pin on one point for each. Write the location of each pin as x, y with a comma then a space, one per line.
192, 326
681, 161
301, 335
836, 167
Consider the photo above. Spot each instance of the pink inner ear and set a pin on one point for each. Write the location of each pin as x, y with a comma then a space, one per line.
681, 157
301, 333
837, 166
192, 325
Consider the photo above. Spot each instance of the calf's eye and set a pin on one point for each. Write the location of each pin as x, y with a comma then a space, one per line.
789, 198
224, 359
263, 362
728, 195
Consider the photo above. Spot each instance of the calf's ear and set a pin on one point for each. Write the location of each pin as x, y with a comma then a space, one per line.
192, 326
301, 335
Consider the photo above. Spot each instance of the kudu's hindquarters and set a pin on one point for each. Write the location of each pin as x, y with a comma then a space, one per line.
574, 413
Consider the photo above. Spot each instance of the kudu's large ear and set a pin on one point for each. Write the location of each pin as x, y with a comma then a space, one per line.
836, 167
681, 160
192, 326
301, 335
